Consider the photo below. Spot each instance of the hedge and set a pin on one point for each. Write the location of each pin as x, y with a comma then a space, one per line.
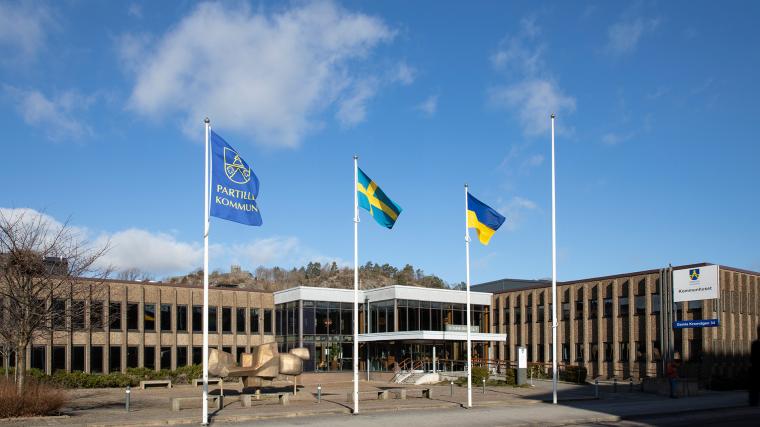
132, 377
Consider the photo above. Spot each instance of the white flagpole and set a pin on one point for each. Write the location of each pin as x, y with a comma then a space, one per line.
204, 401
356, 286
469, 338
554, 280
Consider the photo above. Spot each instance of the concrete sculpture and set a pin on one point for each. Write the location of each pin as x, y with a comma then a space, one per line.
264, 362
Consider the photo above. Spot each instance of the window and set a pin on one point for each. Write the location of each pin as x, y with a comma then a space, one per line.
529, 310
166, 358
268, 322
239, 353
114, 358
77, 358
181, 356
579, 352
506, 313
641, 304
166, 317
182, 319
96, 359
624, 351
97, 311
38, 357
608, 307
132, 310
656, 351
59, 358
240, 320
593, 307
227, 320
149, 317
623, 310
149, 357
58, 308
496, 309
77, 318
254, 319
608, 352
655, 303
565, 311
212, 326
579, 304
132, 361
197, 355
197, 318
114, 316
641, 352
565, 352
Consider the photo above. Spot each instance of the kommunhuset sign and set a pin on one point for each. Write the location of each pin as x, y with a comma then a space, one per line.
698, 283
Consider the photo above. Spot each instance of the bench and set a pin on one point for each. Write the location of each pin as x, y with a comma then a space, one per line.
199, 381
402, 392
166, 383
178, 401
282, 398
381, 394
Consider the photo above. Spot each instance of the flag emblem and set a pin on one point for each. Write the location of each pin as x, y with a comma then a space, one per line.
237, 171
694, 274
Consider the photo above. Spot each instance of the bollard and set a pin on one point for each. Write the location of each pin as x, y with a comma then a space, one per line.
630, 388
484, 386
596, 388
319, 393
614, 385
128, 392
451, 385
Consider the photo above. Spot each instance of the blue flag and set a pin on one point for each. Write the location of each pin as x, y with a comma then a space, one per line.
234, 186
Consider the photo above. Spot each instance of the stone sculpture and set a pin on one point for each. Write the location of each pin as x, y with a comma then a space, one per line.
264, 362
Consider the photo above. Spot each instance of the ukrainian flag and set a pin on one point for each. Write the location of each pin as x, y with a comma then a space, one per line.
482, 218
372, 198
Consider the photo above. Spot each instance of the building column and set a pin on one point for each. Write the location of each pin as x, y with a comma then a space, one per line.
616, 329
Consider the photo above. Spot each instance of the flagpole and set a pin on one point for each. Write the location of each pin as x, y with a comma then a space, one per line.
469, 338
554, 279
204, 400
356, 286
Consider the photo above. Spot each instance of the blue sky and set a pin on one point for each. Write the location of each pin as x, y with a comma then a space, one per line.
101, 106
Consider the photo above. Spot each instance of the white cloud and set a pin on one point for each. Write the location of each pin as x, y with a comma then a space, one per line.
534, 100
534, 160
23, 28
429, 106
532, 94
284, 251
624, 36
56, 115
265, 75
515, 210
135, 11
613, 138
153, 252
404, 74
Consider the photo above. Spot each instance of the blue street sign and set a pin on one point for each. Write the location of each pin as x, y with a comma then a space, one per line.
703, 323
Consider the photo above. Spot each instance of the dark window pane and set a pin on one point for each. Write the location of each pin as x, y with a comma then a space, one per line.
607, 307
181, 356
59, 358
77, 318
655, 303
239, 351
58, 308
254, 319
132, 359
240, 320
197, 355
268, 322
149, 357
212, 320
197, 318
114, 316
114, 359
226, 319
149, 317
166, 358
77, 358
641, 304
96, 314
96, 359
182, 319
132, 311
166, 317
38, 357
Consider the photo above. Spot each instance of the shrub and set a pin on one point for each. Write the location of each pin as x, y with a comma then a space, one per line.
510, 376
573, 373
38, 399
479, 373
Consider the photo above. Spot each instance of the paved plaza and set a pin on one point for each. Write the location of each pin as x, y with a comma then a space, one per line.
497, 406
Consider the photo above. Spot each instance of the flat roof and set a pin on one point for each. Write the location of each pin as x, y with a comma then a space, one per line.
310, 293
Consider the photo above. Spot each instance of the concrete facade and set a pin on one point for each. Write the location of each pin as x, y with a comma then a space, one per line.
613, 325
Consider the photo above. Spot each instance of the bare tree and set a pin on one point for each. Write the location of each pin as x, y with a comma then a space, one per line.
48, 278
134, 274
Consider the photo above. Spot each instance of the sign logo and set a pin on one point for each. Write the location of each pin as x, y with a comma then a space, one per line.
694, 274
237, 171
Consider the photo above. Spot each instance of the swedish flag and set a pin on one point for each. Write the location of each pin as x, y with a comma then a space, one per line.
371, 197
483, 218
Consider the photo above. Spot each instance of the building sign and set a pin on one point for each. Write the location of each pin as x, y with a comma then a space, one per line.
698, 283
462, 328
522, 358
704, 323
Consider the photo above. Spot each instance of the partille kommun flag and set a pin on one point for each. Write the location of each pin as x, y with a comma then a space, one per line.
483, 218
371, 197
234, 186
